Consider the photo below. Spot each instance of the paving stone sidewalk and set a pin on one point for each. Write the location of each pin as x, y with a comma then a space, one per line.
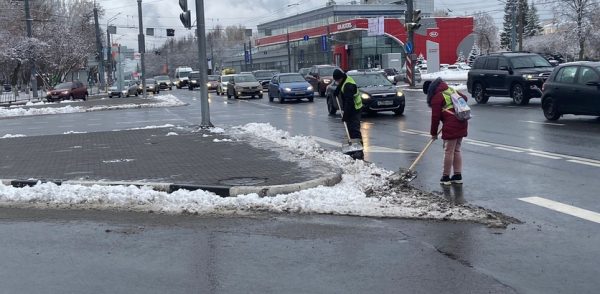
182, 156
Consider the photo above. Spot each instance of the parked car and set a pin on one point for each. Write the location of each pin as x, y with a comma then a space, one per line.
67, 90
391, 74
164, 82
377, 93
511, 74
222, 87
244, 85
572, 88
290, 86
264, 76
212, 82
194, 80
304, 71
320, 76
151, 86
128, 88
401, 76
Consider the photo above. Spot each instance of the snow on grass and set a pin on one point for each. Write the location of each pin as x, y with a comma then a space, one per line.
172, 134
163, 101
222, 140
73, 132
365, 190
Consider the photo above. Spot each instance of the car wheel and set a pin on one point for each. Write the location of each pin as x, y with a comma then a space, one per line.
321, 93
120, 95
109, 96
235, 96
253, 96
190, 88
136, 94
550, 109
71, 97
330, 108
311, 99
170, 88
479, 94
518, 95
399, 111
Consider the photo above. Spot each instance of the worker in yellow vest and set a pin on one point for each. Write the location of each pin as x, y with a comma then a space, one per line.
351, 106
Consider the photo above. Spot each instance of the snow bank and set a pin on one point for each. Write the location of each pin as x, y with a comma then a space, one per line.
163, 101
447, 75
364, 191
12, 136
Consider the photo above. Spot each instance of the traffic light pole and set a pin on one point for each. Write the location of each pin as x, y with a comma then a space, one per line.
33, 77
142, 47
201, 36
99, 48
410, 65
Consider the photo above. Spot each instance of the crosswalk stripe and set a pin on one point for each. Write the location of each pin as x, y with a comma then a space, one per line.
564, 208
371, 149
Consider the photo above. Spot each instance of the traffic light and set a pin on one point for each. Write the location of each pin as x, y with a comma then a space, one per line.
185, 16
416, 19
170, 32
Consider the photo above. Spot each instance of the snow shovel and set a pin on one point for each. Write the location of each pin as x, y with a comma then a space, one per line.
352, 145
410, 174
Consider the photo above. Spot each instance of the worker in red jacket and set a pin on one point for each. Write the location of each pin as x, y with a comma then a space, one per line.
453, 129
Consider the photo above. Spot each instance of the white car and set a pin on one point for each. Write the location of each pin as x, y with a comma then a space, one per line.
222, 87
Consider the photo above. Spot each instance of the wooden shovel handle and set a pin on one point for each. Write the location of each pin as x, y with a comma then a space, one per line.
421, 154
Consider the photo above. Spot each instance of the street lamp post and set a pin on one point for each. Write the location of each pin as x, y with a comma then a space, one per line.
109, 48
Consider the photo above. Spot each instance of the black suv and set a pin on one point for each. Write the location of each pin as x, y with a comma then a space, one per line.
519, 75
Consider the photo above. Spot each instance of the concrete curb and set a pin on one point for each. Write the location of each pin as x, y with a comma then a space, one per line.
223, 191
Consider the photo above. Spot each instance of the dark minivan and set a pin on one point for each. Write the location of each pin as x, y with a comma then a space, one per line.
572, 88
518, 75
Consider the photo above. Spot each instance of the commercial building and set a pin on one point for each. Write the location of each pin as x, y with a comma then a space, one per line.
339, 34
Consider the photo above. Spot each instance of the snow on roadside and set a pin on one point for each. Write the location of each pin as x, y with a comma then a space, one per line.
12, 136
447, 75
163, 101
364, 191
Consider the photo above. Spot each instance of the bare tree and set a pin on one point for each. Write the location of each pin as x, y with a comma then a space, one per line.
486, 32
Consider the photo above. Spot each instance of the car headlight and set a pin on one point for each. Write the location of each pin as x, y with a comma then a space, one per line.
365, 96
48, 93
208, 84
177, 83
399, 93
287, 90
124, 91
310, 88
64, 92
326, 81
529, 77
151, 87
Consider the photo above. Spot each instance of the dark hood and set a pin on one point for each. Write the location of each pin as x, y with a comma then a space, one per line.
438, 85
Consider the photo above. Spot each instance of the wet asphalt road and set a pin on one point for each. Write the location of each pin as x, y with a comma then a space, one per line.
512, 153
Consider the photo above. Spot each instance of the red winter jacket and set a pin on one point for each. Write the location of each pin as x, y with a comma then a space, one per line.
452, 128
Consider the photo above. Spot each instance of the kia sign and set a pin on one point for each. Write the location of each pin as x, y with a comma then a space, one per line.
345, 26
433, 34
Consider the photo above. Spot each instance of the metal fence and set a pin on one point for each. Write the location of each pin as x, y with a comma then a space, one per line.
10, 97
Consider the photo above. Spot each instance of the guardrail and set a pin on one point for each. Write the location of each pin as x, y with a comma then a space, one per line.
17, 97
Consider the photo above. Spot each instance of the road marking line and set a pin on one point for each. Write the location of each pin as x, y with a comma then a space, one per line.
477, 144
544, 155
576, 158
564, 208
372, 149
584, 163
542, 123
508, 149
410, 132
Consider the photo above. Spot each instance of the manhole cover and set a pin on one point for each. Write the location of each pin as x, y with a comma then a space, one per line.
243, 181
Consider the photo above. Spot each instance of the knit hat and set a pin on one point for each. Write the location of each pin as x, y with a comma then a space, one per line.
338, 74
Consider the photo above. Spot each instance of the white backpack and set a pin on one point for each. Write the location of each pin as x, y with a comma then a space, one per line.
462, 111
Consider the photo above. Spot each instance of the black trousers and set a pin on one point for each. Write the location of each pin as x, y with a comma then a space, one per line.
353, 123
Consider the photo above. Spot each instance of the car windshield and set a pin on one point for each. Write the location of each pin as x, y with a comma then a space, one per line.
194, 75
150, 81
326, 71
264, 74
291, 79
244, 79
529, 61
61, 86
184, 74
213, 78
369, 80
161, 78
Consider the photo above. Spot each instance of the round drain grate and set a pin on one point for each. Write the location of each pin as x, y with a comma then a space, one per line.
243, 181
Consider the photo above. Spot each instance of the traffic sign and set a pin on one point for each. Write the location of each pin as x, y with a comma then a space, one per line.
324, 43
306, 37
408, 47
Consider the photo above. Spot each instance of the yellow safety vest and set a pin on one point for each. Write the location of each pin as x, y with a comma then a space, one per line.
357, 100
448, 99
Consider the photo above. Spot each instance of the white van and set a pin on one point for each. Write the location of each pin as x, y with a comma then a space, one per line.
182, 74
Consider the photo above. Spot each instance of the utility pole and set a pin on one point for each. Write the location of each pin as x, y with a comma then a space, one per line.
108, 57
142, 47
246, 56
521, 23
201, 36
33, 77
99, 48
513, 30
288, 50
250, 54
